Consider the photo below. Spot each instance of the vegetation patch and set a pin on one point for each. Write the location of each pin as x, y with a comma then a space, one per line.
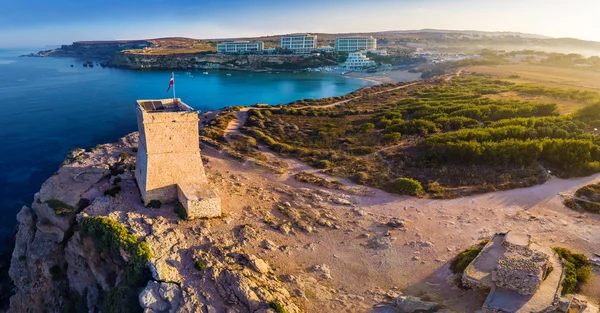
577, 270
586, 198
450, 133
406, 186
154, 204
59, 207
460, 263
180, 211
110, 238
113, 191
199, 265
277, 307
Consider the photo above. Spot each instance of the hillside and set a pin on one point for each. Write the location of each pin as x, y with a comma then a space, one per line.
443, 138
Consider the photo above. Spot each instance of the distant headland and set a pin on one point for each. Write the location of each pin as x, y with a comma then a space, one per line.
382, 51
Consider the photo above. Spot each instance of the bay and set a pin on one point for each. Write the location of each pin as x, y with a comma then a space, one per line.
48, 107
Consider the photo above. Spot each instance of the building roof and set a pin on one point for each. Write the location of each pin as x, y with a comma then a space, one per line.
164, 105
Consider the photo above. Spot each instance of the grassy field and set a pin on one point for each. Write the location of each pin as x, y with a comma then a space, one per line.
550, 76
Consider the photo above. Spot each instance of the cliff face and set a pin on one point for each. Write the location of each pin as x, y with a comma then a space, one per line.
89, 244
92, 50
211, 61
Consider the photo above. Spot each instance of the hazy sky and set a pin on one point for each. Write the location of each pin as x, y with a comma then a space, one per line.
35, 23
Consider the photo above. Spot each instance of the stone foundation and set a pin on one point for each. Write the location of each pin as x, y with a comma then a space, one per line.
199, 201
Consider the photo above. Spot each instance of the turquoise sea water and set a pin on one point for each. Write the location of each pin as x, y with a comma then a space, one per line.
48, 107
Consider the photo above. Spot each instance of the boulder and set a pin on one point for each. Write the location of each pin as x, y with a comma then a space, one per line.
409, 304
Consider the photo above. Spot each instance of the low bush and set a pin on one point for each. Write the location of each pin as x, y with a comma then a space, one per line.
59, 207
323, 164
117, 180
391, 138
577, 270
180, 211
278, 307
406, 186
113, 191
111, 238
154, 204
460, 263
199, 265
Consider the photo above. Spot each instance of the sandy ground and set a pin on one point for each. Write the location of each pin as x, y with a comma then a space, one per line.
416, 261
386, 76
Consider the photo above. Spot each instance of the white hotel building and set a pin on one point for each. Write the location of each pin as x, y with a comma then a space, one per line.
357, 60
233, 47
353, 44
299, 43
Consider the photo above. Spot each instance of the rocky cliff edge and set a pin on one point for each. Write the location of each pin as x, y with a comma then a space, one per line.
77, 246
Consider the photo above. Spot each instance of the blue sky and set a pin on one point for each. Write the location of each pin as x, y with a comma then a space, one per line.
35, 23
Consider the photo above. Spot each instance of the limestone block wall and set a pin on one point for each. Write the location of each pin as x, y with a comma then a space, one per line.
199, 201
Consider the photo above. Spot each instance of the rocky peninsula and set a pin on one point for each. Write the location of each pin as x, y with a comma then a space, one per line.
282, 245
178, 53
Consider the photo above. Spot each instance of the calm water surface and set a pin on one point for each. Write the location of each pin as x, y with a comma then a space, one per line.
48, 107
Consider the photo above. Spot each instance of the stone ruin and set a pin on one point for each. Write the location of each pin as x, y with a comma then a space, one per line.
520, 268
521, 276
169, 165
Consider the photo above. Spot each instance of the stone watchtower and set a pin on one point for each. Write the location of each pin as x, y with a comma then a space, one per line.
168, 165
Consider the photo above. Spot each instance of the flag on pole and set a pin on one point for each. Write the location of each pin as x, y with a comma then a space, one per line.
171, 82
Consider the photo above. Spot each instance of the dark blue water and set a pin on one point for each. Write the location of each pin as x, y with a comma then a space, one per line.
48, 107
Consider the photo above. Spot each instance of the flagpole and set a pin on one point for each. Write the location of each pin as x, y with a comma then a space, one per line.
174, 98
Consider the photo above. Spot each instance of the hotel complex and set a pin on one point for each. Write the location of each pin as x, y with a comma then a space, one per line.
240, 47
353, 44
357, 60
299, 43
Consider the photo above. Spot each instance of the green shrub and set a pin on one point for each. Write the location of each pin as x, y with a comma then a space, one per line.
278, 307
59, 207
56, 273
460, 263
361, 177
199, 265
113, 191
180, 211
117, 180
154, 204
406, 186
110, 237
323, 164
123, 156
362, 150
391, 138
367, 128
577, 270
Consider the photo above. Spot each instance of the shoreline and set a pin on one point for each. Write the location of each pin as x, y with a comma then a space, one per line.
382, 77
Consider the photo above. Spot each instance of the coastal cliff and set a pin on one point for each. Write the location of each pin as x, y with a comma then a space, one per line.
89, 244
213, 61
178, 54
